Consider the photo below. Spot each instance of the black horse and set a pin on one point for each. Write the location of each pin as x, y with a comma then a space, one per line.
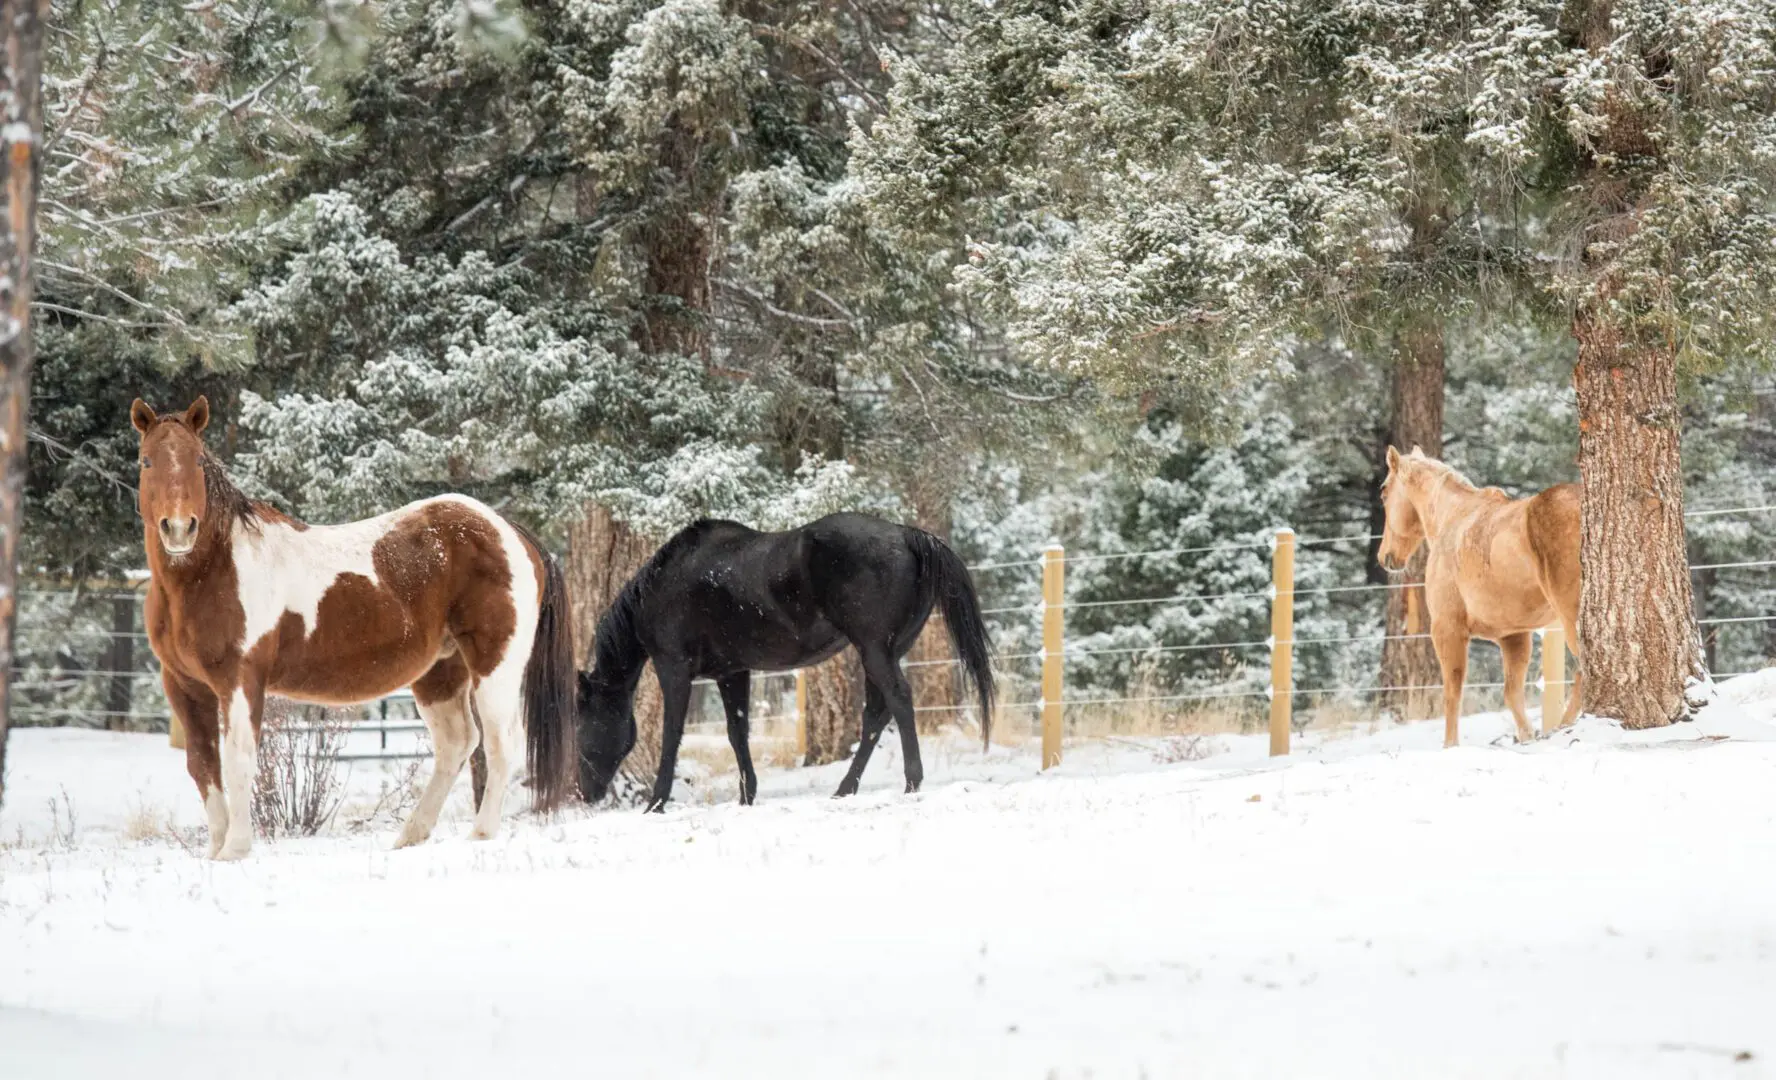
720, 601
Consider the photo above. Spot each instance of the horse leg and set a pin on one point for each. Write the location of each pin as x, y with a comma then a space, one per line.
195, 706
736, 695
1570, 624
499, 701
1451, 645
675, 695
883, 671
240, 761
442, 697
875, 718
1515, 648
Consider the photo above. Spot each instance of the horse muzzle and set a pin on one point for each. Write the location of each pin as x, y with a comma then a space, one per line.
177, 538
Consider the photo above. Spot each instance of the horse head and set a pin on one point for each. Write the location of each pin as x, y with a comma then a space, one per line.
172, 494
1404, 531
607, 732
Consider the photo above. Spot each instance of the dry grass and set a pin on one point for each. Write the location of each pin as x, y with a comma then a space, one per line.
146, 822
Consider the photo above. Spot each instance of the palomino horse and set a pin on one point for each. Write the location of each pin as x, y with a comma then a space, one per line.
720, 601
1499, 568
442, 595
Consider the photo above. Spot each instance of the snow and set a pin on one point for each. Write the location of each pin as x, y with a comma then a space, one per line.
1597, 904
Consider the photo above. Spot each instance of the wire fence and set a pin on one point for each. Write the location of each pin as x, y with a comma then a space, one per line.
1142, 637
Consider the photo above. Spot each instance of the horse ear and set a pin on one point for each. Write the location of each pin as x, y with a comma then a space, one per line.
1393, 459
1417, 450
198, 416
141, 416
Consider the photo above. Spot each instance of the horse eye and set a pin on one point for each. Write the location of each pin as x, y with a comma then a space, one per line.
145, 463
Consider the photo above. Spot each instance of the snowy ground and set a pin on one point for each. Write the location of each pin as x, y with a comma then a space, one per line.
1600, 904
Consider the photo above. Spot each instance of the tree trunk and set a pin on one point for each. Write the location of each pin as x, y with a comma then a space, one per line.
121, 662
675, 318
1417, 421
1637, 625
932, 669
835, 708
21, 79
603, 553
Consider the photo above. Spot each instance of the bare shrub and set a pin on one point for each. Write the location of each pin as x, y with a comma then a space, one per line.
1184, 748
300, 785
397, 794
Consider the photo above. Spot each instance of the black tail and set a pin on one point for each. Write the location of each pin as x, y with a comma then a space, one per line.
953, 592
551, 711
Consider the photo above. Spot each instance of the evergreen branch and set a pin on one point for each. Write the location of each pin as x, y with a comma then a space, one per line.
105, 286
764, 302
86, 89
832, 65
45, 305
252, 95
53, 445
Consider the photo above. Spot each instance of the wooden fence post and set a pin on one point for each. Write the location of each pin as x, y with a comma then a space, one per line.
801, 715
1553, 678
1054, 591
175, 731
1282, 640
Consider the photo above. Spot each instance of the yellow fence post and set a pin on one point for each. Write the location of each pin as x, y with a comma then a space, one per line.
801, 715
175, 731
1054, 591
1553, 678
1282, 640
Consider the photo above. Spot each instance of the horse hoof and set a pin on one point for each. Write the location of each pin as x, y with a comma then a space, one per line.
658, 806
409, 838
233, 852
912, 787
478, 833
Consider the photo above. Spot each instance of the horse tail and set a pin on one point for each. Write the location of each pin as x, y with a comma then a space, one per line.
551, 734
953, 593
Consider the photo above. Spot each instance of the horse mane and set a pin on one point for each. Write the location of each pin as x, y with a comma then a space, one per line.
227, 503
1444, 470
616, 649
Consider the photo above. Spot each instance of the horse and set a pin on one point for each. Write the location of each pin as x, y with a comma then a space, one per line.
1499, 568
443, 595
720, 600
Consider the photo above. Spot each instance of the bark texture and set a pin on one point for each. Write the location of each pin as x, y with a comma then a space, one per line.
1637, 624
21, 139
602, 555
835, 708
1416, 420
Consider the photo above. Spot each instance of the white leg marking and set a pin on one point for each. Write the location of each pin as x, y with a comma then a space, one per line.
240, 769
497, 700
453, 740
216, 808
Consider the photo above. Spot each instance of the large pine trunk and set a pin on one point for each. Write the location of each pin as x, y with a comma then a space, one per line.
1637, 625
603, 553
21, 79
835, 708
1417, 420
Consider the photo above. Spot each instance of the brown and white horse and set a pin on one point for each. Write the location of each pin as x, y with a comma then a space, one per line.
1499, 568
443, 595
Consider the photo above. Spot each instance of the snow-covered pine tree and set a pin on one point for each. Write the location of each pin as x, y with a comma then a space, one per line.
171, 131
